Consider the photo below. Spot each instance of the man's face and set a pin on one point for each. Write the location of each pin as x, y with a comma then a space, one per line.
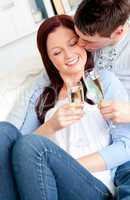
92, 43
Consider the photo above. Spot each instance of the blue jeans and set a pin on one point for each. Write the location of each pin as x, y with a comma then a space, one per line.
44, 171
122, 182
8, 136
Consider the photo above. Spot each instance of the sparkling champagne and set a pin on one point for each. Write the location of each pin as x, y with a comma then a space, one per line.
76, 93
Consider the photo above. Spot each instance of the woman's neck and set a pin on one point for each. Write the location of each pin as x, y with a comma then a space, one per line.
72, 80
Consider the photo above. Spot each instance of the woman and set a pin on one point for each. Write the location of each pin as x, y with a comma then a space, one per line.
42, 169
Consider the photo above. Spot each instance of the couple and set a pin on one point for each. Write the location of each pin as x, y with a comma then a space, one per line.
88, 150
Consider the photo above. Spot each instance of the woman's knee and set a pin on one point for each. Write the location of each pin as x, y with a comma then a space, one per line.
29, 151
8, 134
30, 146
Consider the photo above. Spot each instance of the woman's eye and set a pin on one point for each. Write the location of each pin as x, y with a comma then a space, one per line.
57, 53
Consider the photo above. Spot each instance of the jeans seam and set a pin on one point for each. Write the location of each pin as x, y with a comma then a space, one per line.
42, 180
72, 167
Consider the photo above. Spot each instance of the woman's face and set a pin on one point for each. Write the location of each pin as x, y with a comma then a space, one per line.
64, 52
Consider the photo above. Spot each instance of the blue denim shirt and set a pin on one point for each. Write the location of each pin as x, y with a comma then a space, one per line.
118, 152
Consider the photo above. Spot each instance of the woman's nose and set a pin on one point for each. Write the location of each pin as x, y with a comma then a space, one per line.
68, 53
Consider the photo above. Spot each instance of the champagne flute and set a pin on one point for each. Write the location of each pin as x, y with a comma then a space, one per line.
94, 86
95, 89
75, 92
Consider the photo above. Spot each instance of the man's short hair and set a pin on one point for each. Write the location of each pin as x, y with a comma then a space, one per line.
101, 16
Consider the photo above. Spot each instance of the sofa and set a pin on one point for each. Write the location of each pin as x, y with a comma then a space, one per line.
16, 87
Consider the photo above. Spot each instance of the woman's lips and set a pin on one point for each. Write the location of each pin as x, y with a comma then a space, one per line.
72, 61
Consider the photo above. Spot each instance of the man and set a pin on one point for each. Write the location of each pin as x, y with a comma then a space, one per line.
103, 28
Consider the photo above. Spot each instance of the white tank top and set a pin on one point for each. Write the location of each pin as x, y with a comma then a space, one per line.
87, 136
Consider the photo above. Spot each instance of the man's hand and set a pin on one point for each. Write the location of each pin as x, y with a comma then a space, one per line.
116, 111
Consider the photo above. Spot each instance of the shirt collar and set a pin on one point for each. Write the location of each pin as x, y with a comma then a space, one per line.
105, 57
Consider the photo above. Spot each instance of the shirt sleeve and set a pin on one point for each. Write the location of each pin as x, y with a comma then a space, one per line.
31, 122
118, 152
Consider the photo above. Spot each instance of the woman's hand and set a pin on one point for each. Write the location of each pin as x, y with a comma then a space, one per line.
116, 111
65, 116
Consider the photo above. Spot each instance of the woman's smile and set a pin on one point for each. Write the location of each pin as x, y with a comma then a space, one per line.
72, 61
67, 56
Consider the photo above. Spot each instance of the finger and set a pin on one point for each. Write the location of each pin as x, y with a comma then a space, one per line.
69, 121
76, 112
72, 112
108, 110
71, 118
74, 121
108, 116
75, 106
105, 104
67, 124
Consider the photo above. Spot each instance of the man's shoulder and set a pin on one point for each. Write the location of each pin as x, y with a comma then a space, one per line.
107, 78
106, 75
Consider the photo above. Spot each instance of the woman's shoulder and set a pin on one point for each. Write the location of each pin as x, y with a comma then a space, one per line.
48, 89
40, 84
36, 93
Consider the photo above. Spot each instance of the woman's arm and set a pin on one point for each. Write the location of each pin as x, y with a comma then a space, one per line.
63, 117
93, 162
30, 122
